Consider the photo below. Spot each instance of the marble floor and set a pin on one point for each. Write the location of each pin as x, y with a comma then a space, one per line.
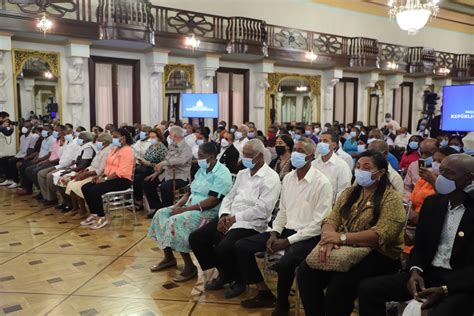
49, 265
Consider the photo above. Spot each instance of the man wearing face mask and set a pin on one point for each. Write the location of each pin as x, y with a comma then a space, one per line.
402, 138
423, 131
296, 229
141, 145
441, 265
244, 212
427, 149
333, 167
392, 125
229, 155
241, 139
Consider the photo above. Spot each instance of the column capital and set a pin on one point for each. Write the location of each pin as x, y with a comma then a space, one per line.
443, 82
334, 73
264, 67
6, 41
368, 80
157, 56
78, 49
394, 81
154, 68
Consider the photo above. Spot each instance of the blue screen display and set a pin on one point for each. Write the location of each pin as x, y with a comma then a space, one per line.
458, 108
200, 105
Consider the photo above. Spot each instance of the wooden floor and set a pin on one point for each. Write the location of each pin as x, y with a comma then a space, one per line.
49, 265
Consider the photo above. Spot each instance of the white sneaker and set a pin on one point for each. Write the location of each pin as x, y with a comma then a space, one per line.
101, 222
6, 182
14, 185
89, 221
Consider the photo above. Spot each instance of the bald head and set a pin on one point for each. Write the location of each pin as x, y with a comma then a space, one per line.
428, 147
375, 133
378, 145
459, 168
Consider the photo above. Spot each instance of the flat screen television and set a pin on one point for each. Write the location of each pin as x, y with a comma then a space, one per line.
200, 105
458, 108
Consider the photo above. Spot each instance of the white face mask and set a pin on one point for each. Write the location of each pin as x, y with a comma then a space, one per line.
24, 130
444, 185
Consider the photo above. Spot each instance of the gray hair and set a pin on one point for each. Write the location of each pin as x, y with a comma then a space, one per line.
309, 145
87, 136
378, 145
244, 128
257, 146
105, 137
176, 130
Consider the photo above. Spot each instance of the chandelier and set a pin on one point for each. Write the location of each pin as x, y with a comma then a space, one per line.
392, 65
192, 42
412, 15
444, 71
44, 24
311, 56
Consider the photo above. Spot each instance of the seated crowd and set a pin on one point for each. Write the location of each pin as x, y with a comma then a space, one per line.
351, 212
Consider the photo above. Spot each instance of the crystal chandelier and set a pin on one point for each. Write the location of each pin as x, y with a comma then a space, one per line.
45, 24
412, 15
311, 56
192, 42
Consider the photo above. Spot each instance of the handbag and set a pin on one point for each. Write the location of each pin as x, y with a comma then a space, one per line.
339, 260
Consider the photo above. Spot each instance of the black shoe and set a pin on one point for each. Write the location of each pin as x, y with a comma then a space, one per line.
65, 209
281, 310
60, 206
215, 284
235, 290
39, 196
264, 299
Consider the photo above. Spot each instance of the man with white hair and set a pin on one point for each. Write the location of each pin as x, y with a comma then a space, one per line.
241, 138
244, 212
173, 172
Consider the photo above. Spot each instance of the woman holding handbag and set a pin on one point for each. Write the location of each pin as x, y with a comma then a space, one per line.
361, 238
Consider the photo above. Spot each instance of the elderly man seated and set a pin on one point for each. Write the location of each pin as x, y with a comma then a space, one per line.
241, 139
306, 199
172, 173
244, 212
440, 274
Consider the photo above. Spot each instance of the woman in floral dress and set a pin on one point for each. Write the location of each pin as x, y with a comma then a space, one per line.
171, 226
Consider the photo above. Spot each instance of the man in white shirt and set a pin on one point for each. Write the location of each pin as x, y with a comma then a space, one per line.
190, 137
244, 212
395, 178
390, 124
141, 146
345, 156
333, 167
402, 138
241, 138
306, 199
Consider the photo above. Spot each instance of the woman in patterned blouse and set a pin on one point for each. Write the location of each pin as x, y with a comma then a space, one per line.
153, 155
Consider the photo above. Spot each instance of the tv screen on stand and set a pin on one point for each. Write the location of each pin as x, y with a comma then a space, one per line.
458, 108
200, 105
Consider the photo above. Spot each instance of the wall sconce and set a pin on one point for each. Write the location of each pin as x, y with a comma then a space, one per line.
192, 42
444, 71
44, 25
311, 56
48, 75
392, 65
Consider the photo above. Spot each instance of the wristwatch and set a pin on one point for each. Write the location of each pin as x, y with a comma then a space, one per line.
343, 238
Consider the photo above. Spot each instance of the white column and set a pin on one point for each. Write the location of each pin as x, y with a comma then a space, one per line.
7, 102
393, 82
76, 106
207, 67
368, 81
156, 60
419, 87
29, 98
258, 110
329, 80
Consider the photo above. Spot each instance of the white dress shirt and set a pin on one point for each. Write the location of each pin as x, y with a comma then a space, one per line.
395, 125
304, 204
396, 180
346, 157
98, 163
402, 140
448, 235
68, 154
33, 140
239, 145
24, 145
337, 171
252, 198
190, 140
140, 147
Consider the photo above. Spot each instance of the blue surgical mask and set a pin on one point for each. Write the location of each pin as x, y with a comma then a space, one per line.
203, 164
297, 137
232, 130
298, 160
324, 149
199, 141
413, 145
99, 146
353, 134
307, 133
456, 148
44, 134
428, 161
153, 141
238, 135
364, 178
444, 185
248, 163
80, 141
360, 148
435, 167
422, 127
116, 142
68, 137
55, 134
251, 135
142, 135
443, 143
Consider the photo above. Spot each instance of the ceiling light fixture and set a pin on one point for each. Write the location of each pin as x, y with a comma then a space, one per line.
392, 65
48, 74
311, 56
302, 88
192, 42
45, 25
412, 15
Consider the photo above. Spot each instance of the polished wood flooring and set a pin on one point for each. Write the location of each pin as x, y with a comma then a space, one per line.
49, 265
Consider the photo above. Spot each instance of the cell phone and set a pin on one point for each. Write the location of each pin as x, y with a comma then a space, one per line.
421, 163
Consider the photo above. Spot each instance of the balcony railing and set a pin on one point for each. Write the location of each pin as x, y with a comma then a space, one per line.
139, 20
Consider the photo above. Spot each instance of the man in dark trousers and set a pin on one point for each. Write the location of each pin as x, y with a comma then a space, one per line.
440, 270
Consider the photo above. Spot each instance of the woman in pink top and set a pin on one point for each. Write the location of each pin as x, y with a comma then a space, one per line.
117, 177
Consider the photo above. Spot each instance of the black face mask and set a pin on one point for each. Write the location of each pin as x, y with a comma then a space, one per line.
280, 150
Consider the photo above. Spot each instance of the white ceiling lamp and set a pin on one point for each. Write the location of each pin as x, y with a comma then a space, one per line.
412, 15
311, 56
192, 42
45, 25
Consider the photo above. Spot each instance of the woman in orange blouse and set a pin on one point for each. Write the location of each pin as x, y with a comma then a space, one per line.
117, 177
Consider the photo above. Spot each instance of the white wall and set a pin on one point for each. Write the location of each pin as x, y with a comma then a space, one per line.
305, 14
